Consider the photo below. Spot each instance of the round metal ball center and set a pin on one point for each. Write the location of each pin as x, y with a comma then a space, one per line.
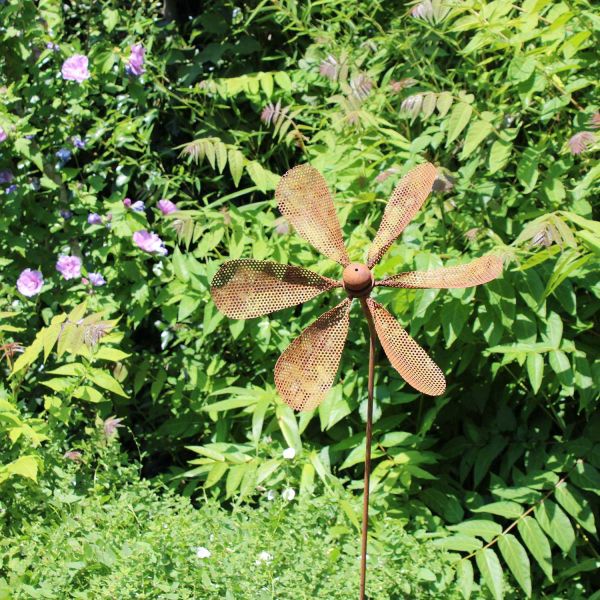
358, 280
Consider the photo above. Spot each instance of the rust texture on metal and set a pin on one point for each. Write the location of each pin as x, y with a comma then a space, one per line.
307, 368
245, 288
357, 280
407, 357
304, 199
477, 272
404, 203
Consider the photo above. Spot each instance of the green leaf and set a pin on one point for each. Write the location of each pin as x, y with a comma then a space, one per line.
521, 68
477, 132
491, 570
108, 382
444, 504
113, 354
499, 154
289, 426
444, 102
485, 457
507, 509
458, 543
464, 578
527, 169
236, 165
216, 472
458, 120
483, 528
537, 543
517, 560
586, 477
89, 394
25, 466
535, 370
576, 506
556, 524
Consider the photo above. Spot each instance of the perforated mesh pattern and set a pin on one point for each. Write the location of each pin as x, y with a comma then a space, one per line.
247, 288
304, 199
406, 356
404, 203
306, 370
477, 272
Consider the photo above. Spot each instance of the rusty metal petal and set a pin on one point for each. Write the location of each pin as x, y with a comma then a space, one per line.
306, 370
304, 199
404, 203
479, 271
406, 356
246, 288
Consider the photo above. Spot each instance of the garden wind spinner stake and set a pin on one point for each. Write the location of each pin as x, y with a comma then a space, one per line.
306, 370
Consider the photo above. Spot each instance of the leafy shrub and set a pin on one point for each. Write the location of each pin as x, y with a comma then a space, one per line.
500, 96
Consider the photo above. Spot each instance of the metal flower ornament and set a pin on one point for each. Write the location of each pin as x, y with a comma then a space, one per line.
304, 373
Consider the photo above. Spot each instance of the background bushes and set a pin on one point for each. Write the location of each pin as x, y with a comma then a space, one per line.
499, 96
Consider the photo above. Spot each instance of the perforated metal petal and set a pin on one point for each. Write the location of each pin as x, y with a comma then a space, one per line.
404, 203
477, 272
306, 370
304, 199
406, 356
247, 288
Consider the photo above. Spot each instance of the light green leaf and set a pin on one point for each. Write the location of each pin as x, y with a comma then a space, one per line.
537, 543
289, 426
464, 578
556, 524
499, 155
458, 543
444, 102
458, 120
517, 560
107, 381
477, 132
521, 68
535, 370
483, 528
25, 466
507, 509
576, 506
491, 570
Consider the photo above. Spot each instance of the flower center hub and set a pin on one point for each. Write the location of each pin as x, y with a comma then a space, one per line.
358, 280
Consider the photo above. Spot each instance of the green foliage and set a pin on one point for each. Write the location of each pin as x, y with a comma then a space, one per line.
502, 471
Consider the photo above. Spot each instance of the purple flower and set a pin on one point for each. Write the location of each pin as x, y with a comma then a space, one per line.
135, 66
66, 214
166, 206
78, 142
94, 219
96, 279
149, 242
127, 202
63, 155
52, 46
30, 282
11, 188
6, 176
581, 141
69, 266
138, 206
3, 134
75, 68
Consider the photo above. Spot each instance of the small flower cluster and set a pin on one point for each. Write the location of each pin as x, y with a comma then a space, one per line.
76, 67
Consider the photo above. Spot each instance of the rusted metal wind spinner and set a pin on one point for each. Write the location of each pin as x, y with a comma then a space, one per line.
305, 372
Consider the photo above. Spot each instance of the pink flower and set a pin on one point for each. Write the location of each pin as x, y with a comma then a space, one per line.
30, 282
580, 141
74, 455
135, 66
149, 242
69, 266
111, 425
3, 134
75, 68
127, 202
138, 205
166, 206
96, 279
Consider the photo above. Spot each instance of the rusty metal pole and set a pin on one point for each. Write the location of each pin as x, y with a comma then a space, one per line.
368, 435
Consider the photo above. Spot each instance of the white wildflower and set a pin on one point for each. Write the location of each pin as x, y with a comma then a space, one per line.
289, 453
288, 494
202, 552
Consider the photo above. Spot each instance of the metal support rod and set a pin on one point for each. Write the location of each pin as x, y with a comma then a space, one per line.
368, 435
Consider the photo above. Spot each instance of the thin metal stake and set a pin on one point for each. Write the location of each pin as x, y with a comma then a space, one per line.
368, 435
